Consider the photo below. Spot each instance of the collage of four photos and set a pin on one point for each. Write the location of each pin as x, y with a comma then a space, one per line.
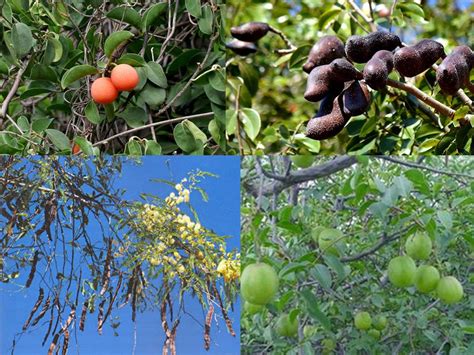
289, 177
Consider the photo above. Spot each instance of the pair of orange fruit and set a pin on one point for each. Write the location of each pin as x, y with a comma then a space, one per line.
123, 77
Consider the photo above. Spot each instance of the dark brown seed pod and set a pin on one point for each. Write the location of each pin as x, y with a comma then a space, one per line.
377, 69
320, 83
343, 70
360, 49
323, 52
453, 73
250, 32
355, 99
329, 120
241, 48
413, 60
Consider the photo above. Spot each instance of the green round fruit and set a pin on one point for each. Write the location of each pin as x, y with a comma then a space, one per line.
401, 271
302, 161
362, 320
374, 333
426, 278
449, 290
380, 322
418, 246
286, 328
309, 331
432, 313
252, 308
328, 345
259, 283
328, 240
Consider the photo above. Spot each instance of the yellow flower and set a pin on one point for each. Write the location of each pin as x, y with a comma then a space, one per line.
178, 187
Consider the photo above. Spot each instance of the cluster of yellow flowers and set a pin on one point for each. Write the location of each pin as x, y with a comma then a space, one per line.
229, 267
180, 245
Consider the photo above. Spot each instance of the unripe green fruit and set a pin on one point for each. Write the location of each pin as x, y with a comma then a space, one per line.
250, 32
362, 320
426, 278
328, 239
380, 322
361, 48
323, 52
328, 345
302, 161
432, 313
259, 283
315, 232
449, 290
374, 333
252, 308
241, 48
309, 331
285, 327
401, 271
418, 246
413, 60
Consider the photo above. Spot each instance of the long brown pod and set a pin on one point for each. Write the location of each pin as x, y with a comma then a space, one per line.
53, 344
66, 341
42, 312
228, 322
207, 327
55, 302
33, 269
35, 308
106, 274
112, 299
82, 321
100, 317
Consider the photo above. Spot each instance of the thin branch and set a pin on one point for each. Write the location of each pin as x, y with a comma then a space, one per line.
10, 95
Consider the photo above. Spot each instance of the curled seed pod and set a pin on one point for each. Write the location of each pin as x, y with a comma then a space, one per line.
360, 49
413, 60
329, 121
329, 79
250, 32
241, 48
320, 83
453, 73
355, 99
323, 52
377, 69
343, 70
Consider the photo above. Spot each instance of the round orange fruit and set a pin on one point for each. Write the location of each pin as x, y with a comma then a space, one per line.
103, 91
124, 77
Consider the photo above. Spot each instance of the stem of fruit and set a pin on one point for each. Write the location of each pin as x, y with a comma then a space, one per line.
291, 47
438, 106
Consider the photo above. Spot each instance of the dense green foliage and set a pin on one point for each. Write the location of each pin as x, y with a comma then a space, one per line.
265, 89
376, 204
51, 51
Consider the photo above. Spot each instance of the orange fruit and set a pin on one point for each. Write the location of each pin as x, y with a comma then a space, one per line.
103, 91
76, 149
124, 77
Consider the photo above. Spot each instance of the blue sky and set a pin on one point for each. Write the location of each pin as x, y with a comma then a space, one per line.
221, 213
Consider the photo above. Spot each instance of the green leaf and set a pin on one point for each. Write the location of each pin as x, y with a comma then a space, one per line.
194, 7
126, 14
329, 16
133, 147
322, 274
41, 124
59, 139
152, 148
132, 59
251, 122
313, 310
153, 96
189, 137
76, 73
43, 72
85, 145
134, 116
153, 13
115, 40
446, 219
22, 39
205, 22
92, 113
156, 74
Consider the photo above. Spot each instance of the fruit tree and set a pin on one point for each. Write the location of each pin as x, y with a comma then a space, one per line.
357, 290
